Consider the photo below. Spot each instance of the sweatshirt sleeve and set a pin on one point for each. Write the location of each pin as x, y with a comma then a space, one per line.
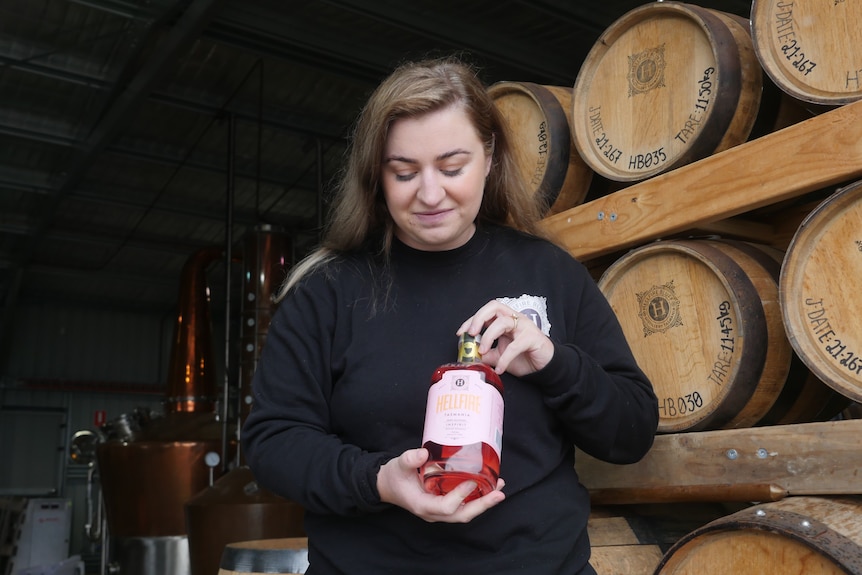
287, 437
594, 384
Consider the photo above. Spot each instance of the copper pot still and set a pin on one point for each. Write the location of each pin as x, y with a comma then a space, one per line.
146, 478
152, 466
235, 508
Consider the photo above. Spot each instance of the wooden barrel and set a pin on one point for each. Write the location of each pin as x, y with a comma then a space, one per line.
795, 535
287, 555
812, 49
666, 84
539, 122
703, 320
805, 398
819, 291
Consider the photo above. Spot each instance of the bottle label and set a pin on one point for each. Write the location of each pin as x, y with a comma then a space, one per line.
463, 409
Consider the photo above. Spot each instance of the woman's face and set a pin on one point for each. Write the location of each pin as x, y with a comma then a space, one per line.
433, 175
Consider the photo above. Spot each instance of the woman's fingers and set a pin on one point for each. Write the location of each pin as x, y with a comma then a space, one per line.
492, 320
510, 340
399, 483
453, 509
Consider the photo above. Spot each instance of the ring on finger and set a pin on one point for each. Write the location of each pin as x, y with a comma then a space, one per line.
514, 321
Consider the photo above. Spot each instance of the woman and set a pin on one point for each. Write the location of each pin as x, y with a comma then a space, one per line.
434, 233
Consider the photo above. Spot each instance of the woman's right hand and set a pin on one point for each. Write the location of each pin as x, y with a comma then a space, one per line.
399, 483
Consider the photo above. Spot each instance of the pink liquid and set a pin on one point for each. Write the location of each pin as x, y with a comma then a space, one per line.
450, 465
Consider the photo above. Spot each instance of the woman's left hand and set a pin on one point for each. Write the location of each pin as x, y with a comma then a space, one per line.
398, 482
521, 347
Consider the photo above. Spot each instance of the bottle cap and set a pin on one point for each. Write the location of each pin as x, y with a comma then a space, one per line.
468, 347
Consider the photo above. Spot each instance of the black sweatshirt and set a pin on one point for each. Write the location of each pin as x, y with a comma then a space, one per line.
341, 387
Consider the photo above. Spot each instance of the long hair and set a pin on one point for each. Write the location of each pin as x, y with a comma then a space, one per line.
359, 216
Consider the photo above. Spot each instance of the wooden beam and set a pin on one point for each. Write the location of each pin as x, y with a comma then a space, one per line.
752, 464
822, 151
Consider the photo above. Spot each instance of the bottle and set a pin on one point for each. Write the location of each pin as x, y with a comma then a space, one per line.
463, 424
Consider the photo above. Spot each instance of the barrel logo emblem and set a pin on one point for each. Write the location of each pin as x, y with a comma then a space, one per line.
659, 309
646, 70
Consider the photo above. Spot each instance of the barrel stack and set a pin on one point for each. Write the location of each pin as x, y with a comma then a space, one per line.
740, 304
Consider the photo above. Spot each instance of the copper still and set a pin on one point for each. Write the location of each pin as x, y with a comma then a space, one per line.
150, 465
174, 488
235, 508
266, 259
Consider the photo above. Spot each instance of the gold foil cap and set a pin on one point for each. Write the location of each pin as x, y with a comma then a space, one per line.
468, 348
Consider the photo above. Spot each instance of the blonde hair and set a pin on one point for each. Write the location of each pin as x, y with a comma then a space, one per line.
359, 217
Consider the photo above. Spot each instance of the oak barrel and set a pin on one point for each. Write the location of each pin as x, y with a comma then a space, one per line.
819, 291
805, 398
703, 320
812, 49
797, 535
287, 555
538, 118
666, 84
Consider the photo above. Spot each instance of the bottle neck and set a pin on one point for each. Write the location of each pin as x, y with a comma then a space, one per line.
468, 349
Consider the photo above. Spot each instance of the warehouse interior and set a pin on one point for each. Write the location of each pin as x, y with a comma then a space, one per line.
117, 114
136, 135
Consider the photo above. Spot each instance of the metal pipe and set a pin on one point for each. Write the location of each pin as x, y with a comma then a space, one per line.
228, 255
319, 184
